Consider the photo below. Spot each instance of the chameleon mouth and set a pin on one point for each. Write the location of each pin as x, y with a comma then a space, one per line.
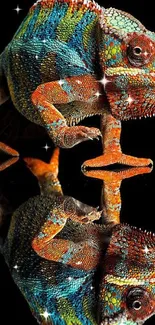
117, 320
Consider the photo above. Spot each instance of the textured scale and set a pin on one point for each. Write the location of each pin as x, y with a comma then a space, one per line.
71, 59
73, 271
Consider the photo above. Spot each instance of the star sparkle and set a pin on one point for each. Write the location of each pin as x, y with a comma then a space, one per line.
146, 53
45, 314
46, 147
78, 263
61, 82
98, 94
17, 9
104, 81
129, 99
15, 267
79, 82
146, 250
69, 278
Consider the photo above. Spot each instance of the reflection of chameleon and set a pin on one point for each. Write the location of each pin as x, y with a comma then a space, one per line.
53, 65
56, 255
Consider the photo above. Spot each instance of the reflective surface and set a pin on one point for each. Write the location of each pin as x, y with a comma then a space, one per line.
17, 183
34, 270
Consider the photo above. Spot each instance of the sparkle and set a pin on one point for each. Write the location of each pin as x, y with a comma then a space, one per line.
146, 250
45, 314
104, 81
91, 287
17, 9
37, 57
78, 263
61, 82
146, 53
79, 82
98, 94
46, 147
69, 278
44, 40
15, 267
129, 99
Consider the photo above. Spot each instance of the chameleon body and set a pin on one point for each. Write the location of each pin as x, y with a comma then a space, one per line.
72, 59
73, 271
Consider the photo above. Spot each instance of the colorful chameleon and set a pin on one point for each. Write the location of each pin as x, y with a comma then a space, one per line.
73, 271
71, 59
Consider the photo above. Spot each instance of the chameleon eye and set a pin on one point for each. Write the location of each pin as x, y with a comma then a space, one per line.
135, 298
139, 303
139, 51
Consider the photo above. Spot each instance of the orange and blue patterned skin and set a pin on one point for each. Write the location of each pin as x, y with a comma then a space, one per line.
73, 271
71, 59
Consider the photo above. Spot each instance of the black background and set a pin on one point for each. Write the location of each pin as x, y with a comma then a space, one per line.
17, 184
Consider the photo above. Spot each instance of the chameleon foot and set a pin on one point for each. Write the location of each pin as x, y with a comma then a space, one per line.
8, 150
11, 152
71, 136
116, 158
81, 212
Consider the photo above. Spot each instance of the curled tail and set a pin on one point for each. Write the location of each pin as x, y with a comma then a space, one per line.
47, 174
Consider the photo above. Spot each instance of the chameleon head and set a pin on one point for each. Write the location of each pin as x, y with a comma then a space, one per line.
127, 292
127, 53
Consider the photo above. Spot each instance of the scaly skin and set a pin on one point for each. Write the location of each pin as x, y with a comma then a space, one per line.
54, 251
71, 59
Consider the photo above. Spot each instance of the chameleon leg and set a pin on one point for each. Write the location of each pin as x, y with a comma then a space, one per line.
46, 173
11, 152
111, 131
82, 254
81, 88
111, 196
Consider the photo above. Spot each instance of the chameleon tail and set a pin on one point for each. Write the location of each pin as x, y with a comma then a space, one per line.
46, 173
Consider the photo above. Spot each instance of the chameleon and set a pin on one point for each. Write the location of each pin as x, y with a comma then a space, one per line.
71, 59
73, 270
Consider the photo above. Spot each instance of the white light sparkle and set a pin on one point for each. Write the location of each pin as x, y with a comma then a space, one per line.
146, 53
15, 267
61, 82
37, 57
69, 278
17, 9
79, 82
46, 147
78, 263
129, 99
104, 81
44, 40
45, 314
98, 94
146, 250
